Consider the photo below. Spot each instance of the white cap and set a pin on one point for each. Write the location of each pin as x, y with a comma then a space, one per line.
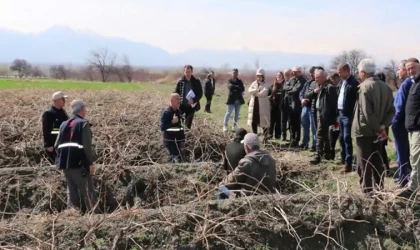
260, 72
58, 95
251, 139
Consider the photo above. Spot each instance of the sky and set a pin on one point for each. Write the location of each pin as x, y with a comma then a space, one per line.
382, 28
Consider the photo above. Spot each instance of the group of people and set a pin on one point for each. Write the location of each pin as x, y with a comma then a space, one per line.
332, 107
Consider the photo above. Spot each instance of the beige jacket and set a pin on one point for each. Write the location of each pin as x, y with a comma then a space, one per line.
374, 107
264, 103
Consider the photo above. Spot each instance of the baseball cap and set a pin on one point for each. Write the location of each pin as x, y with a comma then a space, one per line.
58, 95
251, 139
240, 133
235, 70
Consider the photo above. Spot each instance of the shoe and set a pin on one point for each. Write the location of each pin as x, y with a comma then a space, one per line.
234, 128
346, 169
313, 149
407, 193
225, 129
315, 160
304, 147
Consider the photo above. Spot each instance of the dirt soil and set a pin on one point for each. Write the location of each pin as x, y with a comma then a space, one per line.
147, 204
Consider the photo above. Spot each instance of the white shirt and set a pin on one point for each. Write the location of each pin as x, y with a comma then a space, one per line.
340, 102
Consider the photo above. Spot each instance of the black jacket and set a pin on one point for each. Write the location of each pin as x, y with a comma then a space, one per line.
327, 104
292, 89
350, 95
171, 132
195, 87
276, 99
51, 122
209, 88
236, 88
412, 107
74, 144
234, 152
311, 95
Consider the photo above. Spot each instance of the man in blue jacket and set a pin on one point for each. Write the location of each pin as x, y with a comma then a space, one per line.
402, 146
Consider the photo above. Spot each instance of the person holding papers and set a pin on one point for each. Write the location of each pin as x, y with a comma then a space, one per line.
190, 91
173, 131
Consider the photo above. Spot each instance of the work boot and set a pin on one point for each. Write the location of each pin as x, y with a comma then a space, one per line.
346, 169
294, 144
315, 160
303, 146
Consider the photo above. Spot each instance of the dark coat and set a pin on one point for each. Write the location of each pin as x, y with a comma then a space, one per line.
350, 95
209, 88
412, 107
327, 104
236, 88
311, 95
234, 152
171, 132
292, 89
196, 88
51, 122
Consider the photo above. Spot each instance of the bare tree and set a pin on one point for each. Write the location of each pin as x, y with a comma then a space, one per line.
22, 67
391, 72
352, 57
103, 62
117, 70
257, 64
127, 69
89, 72
59, 72
37, 72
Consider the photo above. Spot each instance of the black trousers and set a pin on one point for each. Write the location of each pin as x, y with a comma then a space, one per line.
295, 118
208, 103
255, 131
333, 136
51, 156
275, 123
284, 120
322, 140
174, 149
189, 115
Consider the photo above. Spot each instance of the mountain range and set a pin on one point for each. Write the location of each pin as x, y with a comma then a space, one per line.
60, 44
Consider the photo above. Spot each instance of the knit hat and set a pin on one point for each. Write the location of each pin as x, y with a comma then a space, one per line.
240, 133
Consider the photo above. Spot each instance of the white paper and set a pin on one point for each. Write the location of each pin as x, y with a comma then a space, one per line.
190, 95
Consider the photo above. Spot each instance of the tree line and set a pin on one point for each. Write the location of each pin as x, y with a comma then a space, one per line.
102, 64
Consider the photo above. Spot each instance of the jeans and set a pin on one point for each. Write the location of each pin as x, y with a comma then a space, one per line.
402, 148
223, 193
308, 122
237, 107
345, 139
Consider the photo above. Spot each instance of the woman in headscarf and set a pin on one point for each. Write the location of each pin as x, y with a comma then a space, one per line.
276, 99
259, 105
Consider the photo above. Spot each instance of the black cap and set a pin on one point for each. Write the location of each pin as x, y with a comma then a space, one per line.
235, 70
240, 133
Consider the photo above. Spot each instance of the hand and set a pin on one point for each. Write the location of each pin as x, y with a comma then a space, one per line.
175, 119
316, 90
190, 102
303, 102
92, 169
50, 149
382, 127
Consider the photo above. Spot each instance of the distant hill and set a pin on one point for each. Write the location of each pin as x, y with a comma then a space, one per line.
61, 44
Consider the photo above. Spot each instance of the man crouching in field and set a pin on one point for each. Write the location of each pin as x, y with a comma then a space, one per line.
172, 128
256, 172
75, 157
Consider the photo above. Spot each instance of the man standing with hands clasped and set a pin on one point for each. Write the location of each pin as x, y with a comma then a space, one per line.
75, 157
173, 131
190, 90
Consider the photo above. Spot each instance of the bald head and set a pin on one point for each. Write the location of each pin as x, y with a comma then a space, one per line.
175, 101
78, 107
